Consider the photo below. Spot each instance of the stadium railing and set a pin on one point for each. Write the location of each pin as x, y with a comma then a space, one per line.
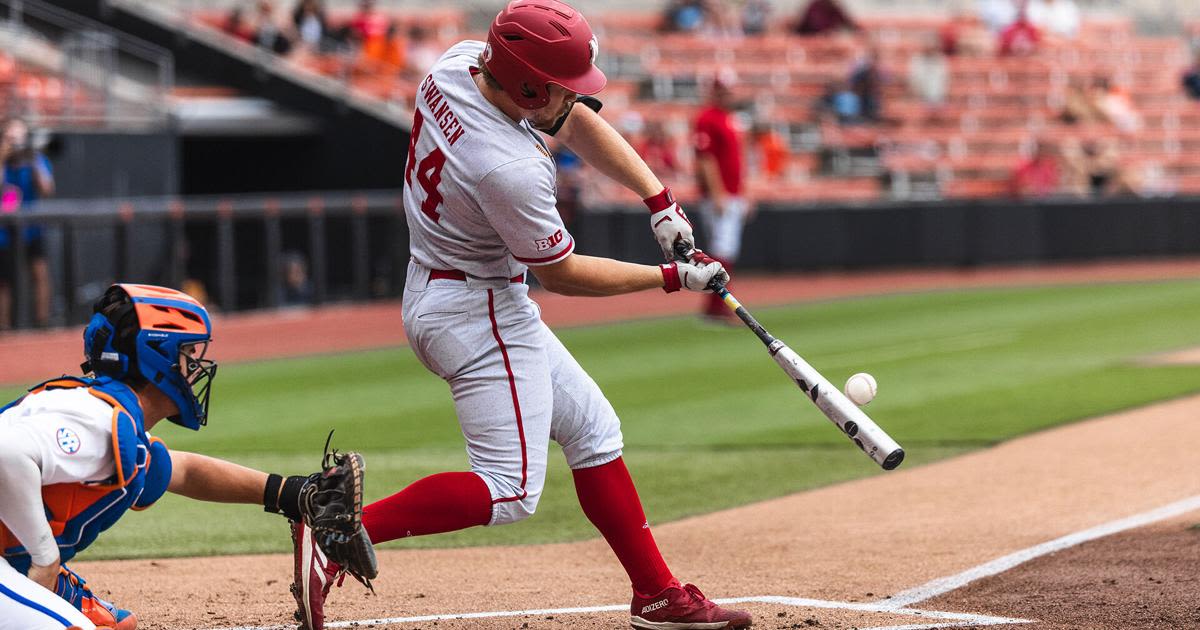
230, 247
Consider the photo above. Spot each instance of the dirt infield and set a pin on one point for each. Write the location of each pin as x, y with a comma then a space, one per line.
1007, 534
844, 556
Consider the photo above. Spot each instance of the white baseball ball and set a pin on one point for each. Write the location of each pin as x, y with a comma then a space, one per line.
861, 388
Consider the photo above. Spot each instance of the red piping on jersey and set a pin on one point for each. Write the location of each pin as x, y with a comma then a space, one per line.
512, 385
570, 246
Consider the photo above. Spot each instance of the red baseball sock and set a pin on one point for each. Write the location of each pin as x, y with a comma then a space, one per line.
444, 502
611, 503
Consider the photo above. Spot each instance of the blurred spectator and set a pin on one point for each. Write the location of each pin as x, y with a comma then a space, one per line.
770, 151
866, 81
1191, 80
423, 52
962, 34
1079, 107
1037, 176
721, 178
683, 16
297, 288
368, 22
569, 179
1019, 38
823, 16
929, 76
1093, 168
840, 102
237, 26
756, 14
1059, 18
659, 151
268, 34
385, 54
311, 23
1116, 104
996, 15
28, 177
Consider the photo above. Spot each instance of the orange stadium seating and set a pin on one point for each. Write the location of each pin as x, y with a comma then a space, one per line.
995, 107
29, 91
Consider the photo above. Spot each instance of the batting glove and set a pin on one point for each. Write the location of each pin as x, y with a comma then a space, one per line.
696, 274
669, 223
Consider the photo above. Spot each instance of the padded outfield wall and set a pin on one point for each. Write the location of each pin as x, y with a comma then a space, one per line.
356, 245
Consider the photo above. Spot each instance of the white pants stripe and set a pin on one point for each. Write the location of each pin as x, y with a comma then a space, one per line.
26, 605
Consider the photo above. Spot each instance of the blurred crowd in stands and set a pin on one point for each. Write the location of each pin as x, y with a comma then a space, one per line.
378, 42
859, 112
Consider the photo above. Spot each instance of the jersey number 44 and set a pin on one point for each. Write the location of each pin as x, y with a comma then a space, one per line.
429, 171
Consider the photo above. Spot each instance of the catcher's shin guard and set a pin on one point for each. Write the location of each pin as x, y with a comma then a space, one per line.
74, 589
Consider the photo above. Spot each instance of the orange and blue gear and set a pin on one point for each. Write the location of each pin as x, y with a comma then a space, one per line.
147, 331
79, 512
75, 590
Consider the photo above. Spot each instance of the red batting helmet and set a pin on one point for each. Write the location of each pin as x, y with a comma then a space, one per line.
535, 42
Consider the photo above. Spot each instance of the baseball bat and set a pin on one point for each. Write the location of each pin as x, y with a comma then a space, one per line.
845, 415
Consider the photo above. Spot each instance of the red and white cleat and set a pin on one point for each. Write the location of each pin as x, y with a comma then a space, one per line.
314, 575
683, 607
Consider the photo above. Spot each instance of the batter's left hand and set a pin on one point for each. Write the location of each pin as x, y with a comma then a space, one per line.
671, 226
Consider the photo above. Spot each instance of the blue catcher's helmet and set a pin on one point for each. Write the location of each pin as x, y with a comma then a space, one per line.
160, 335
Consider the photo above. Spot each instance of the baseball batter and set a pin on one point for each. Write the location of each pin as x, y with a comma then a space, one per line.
480, 203
76, 453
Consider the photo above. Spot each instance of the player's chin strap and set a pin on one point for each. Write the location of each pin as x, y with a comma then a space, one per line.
590, 102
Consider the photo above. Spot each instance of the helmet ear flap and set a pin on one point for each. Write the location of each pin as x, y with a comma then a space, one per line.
109, 340
99, 346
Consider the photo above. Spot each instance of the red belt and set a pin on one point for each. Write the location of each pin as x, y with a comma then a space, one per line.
454, 274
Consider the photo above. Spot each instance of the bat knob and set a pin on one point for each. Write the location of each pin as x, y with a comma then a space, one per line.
893, 459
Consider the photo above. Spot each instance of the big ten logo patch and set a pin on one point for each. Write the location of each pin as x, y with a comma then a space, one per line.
549, 242
68, 441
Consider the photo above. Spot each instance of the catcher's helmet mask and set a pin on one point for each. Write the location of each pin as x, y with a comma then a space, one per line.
147, 334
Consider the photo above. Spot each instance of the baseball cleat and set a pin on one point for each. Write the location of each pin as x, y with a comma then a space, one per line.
314, 575
683, 607
74, 589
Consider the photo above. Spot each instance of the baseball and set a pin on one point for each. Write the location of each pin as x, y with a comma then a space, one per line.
861, 388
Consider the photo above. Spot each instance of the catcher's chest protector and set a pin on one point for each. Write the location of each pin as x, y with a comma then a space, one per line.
78, 512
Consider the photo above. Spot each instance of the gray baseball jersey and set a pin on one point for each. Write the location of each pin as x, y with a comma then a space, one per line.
480, 191
481, 200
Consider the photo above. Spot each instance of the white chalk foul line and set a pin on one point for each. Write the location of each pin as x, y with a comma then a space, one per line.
943, 585
944, 619
897, 604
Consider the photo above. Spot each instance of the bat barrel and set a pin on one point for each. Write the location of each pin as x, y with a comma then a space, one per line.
849, 418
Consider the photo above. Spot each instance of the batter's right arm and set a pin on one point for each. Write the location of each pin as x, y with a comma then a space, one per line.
591, 276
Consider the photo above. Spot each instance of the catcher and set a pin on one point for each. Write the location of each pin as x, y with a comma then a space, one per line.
75, 454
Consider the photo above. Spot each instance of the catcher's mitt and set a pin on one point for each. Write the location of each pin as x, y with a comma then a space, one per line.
331, 504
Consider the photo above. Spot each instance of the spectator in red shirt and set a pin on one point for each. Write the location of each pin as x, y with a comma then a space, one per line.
368, 23
658, 149
823, 16
718, 146
1019, 38
1037, 176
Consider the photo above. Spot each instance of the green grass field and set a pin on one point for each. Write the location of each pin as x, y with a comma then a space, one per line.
957, 371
